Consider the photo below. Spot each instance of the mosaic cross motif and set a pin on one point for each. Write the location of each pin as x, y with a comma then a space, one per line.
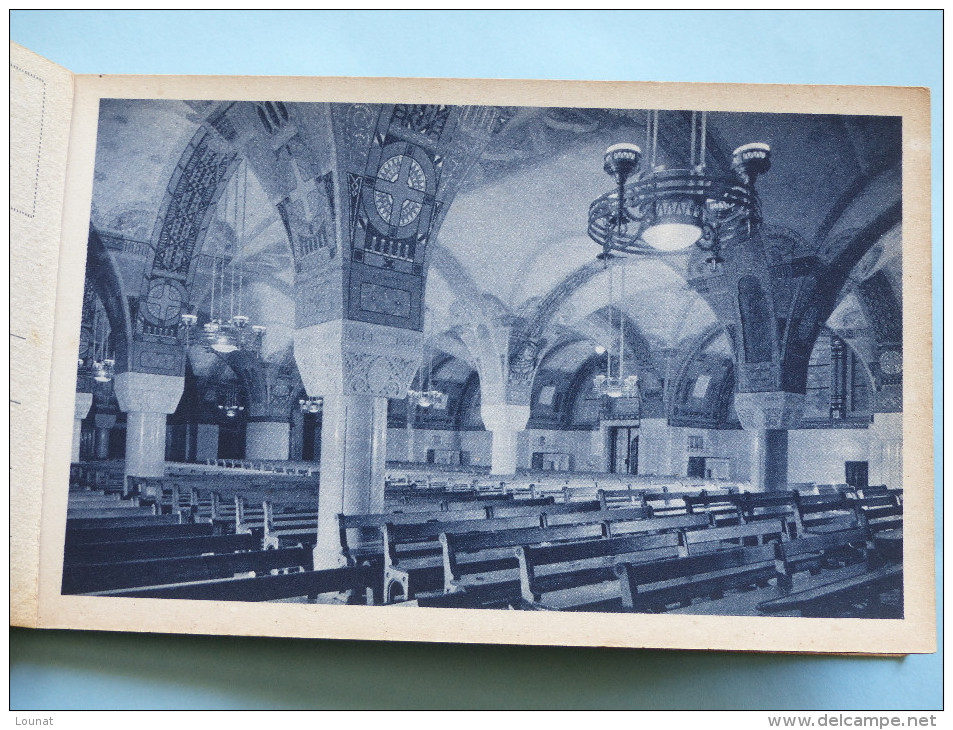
164, 302
399, 190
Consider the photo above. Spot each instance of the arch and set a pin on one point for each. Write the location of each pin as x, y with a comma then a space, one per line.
582, 384
690, 350
198, 182
818, 295
103, 275
755, 312
469, 417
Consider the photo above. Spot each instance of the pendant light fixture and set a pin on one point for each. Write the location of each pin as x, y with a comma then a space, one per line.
617, 384
664, 211
228, 327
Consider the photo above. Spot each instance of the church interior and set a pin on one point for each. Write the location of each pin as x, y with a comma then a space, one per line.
529, 358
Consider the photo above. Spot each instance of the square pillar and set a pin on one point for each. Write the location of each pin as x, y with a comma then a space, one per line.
206, 442
768, 416
81, 406
267, 440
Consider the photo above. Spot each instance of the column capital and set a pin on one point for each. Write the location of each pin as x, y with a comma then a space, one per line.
504, 416
105, 420
83, 403
148, 392
345, 357
770, 410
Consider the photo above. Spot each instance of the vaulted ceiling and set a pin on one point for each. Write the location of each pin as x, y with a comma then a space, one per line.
516, 231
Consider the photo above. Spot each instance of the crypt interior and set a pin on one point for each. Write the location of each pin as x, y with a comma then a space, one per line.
372, 298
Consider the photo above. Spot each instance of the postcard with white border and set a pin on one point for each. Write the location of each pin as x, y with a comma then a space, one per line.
526, 362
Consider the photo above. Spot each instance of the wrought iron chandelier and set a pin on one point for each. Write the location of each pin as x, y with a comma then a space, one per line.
665, 211
426, 395
228, 328
312, 404
618, 385
231, 407
103, 365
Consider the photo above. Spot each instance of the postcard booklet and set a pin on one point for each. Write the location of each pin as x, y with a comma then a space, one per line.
534, 362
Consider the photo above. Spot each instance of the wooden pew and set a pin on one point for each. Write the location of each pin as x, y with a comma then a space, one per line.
879, 513
653, 587
754, 507
598, 589
581, 575
485, 565
87, 534
723, 507
840, 597
823, 512
133, 521
413, 555
621, 497
114, 552
295, 522
719, 538
361, 534
812, 553
92, 577
308, 583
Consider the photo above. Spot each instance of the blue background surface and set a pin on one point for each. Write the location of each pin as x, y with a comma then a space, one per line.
73, 670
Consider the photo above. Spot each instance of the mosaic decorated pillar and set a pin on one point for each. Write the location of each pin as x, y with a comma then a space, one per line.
146, 399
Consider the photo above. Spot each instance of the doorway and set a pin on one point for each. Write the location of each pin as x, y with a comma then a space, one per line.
855, 474
311, 437
624, 457
696, 467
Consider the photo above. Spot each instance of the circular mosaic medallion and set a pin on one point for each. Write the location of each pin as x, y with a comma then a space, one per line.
399, 192
891, 362
164, 301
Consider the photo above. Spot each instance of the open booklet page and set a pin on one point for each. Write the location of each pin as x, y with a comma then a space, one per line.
41, 100
525, 362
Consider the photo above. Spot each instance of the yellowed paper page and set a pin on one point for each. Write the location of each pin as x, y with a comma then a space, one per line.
41, 99
263, 131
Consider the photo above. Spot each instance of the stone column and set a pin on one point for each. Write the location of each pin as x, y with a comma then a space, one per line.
504, 421
886, 450
353, 453
769, 416
267, 440
655, 447
356, 367
206, 441
146, 399
81, 406
104, 425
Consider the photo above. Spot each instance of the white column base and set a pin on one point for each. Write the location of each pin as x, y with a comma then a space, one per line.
267, 440
206, 442
77, 438
504, 452
81, 406
353, 454
145, 444
505, 421
886, 450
